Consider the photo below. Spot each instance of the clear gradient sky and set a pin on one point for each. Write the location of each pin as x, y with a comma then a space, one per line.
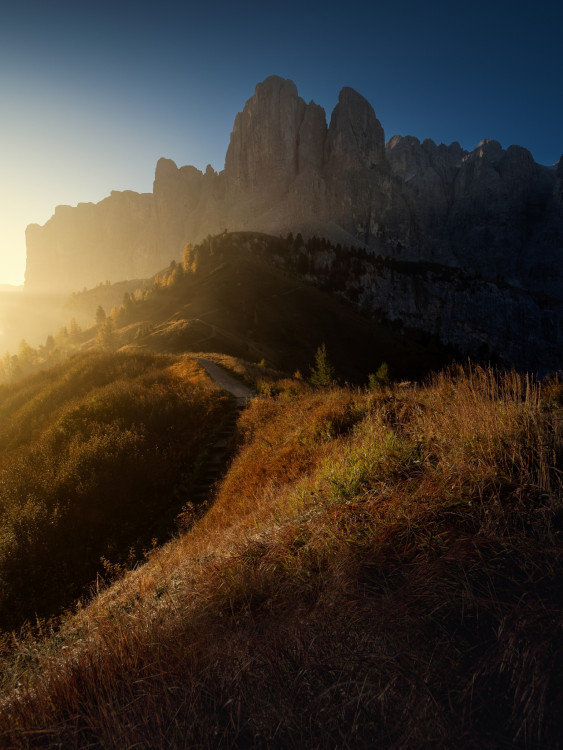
93, 93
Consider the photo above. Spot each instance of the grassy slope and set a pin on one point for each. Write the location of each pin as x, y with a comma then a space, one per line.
95, 458
377, 570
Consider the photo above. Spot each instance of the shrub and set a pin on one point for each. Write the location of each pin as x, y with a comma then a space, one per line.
381, 379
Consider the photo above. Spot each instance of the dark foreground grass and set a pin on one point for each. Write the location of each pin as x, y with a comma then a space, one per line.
378, 570
95, 457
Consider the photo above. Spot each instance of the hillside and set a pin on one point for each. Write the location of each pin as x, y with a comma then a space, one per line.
98, 456
378, 568
230, 296
262, 297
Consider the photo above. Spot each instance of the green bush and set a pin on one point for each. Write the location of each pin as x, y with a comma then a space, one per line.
381, 379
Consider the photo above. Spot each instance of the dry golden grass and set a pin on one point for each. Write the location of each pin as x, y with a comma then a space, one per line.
378, 569
97, 457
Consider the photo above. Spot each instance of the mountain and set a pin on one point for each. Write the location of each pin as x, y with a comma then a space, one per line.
489, 221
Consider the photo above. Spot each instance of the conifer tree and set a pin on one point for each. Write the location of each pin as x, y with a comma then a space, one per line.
26, 354
74, 329
322, 373
187, 257
100, 315
106, 337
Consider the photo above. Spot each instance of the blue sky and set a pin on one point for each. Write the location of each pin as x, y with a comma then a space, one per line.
92, 94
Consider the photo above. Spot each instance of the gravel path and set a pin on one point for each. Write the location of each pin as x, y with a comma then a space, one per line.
226, 381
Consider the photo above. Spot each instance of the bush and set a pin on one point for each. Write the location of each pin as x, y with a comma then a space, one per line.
381, 379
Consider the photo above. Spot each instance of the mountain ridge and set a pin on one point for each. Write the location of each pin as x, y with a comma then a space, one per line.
492, 213
278, 149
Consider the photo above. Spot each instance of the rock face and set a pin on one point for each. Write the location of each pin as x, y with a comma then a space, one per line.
77, 247
355, 137
492, 214
264, 142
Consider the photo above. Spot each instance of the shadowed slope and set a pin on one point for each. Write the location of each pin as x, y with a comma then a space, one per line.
97, 457
233, 300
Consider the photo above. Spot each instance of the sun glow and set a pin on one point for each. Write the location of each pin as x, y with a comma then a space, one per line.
12, 266
12, 241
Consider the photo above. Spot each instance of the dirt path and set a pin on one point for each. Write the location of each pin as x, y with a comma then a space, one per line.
241, 392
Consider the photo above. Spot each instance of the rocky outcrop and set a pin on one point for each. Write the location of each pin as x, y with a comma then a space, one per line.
427, 173
489, 320
491, 213
311, 140
187, 205
355, 137
275, 156
262, 153
499, 198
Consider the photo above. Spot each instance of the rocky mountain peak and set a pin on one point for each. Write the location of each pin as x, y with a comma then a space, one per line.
165, 168
431, 167
488, 149
355, 136
262, 150
276, 86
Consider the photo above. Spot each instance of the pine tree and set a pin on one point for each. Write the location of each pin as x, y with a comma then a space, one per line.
322, 374
100, 315
26, 354
106, 337
74, 329
187, 257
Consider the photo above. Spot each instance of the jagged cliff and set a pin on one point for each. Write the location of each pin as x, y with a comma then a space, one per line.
492, 214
